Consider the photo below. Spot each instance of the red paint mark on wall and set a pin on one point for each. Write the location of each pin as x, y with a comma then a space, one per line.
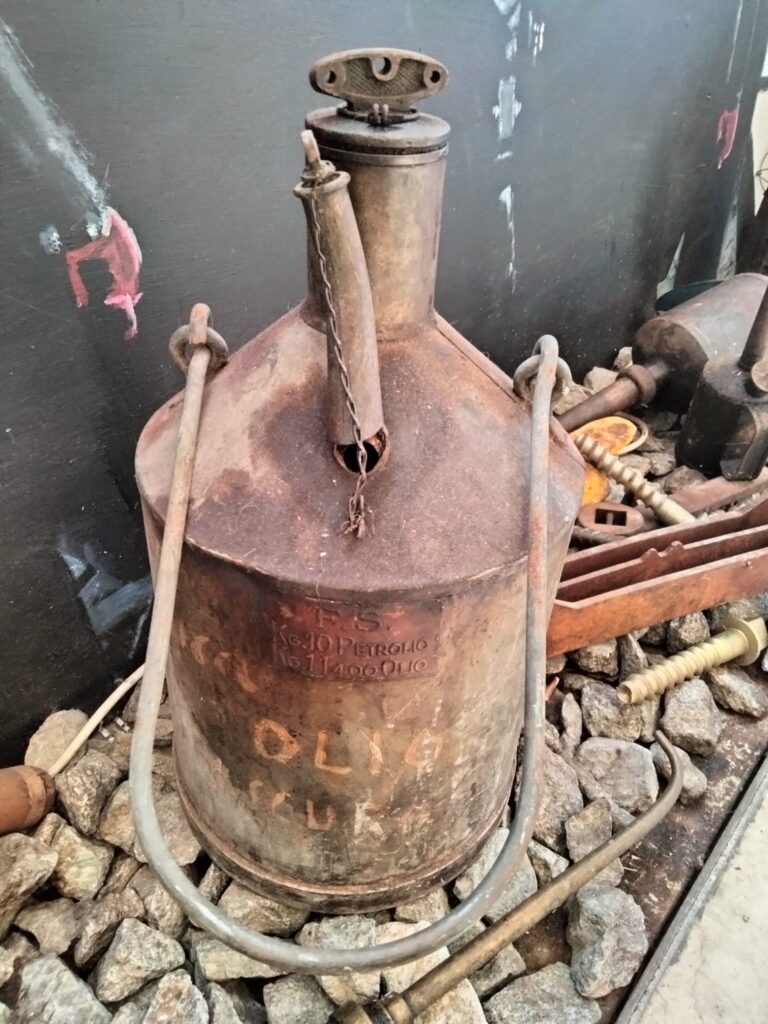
726, 132
118, 247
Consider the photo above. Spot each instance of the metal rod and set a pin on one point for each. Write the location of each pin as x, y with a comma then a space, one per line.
405, 1007
277, 952
756, 345
622, 394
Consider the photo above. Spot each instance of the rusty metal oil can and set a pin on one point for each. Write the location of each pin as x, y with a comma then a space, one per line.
347, 708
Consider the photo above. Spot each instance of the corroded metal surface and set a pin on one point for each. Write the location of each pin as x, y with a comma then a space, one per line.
638, 581
347, 711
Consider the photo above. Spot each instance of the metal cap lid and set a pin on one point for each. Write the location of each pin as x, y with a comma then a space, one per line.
379, 87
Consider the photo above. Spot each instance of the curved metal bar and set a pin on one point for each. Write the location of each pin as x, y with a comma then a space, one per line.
406, 1007
277, 952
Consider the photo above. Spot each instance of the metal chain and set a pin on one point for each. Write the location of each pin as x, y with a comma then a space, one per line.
356, 516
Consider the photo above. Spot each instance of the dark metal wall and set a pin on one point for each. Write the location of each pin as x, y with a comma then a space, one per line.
584, 146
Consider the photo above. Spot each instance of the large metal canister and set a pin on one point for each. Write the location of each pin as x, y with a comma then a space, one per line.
347, 710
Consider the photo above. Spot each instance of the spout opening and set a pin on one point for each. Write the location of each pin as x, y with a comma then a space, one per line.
376, 450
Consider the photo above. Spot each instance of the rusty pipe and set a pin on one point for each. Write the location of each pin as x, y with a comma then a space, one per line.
26, 795
636, 384
405, 1007
337, 262
546, 369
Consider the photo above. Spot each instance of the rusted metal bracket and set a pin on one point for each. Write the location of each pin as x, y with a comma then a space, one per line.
638, 581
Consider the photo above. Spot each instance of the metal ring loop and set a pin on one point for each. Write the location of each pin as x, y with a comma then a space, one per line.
181, 344
526, 372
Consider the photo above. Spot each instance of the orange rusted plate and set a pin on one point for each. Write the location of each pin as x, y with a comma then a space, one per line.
615, 434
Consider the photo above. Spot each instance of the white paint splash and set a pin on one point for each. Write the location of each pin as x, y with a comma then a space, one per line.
736, 25
50, 239
507, 199
537, 44
41, 127
507, 110
726, 264
505, 6
668, 282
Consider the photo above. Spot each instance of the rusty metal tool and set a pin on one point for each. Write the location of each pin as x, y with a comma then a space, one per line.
741, 641
670, 351
637, 581
406, 1007
726, 429
667, 510
26, 795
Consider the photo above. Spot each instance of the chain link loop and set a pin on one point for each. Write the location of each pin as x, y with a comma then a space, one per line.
357, 512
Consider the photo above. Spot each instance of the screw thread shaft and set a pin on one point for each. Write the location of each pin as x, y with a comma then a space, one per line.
665, 508
726, 646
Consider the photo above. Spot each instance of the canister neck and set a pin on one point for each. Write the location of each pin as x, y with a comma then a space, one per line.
396, 187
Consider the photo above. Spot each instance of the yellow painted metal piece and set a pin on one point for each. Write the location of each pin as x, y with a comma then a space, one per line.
615, 434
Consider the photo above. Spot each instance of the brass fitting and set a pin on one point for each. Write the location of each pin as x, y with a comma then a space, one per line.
665, 508
742, 641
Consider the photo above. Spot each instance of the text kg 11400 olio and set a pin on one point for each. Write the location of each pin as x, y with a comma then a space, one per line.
347, 708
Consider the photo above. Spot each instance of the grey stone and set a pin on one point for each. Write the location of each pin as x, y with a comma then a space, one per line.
351, 932
162, 910
606, 932
598, 659
249, 1010
733, 689
593, 790
552, 737
16, 951
659, 420
221, 1008
430, 908
606, 715
55, 924
7, 1016
682, 477
624, 770
748, 608
47, 829
632, 657
522, 884
116, 822
83, 864
466, 936
694, 780
213, 883
260, 913
546, 863
103, 920
573, 724
460, 1006
397, 979
121, 871
589, 829
84, 787
297, 999
505, 967
52, 994
575, 394
137, 954
650, 710
560, 798
177, 1001
691, 719
134, 1010
662, 462
216, 962
598, 378
180, 838
656, 635
623, 358
636, 461
574, 682
116, 746
686, 631
25, 863
555, 664
547, 997
53, 737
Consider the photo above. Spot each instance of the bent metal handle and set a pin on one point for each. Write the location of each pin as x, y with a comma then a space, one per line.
546, 368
